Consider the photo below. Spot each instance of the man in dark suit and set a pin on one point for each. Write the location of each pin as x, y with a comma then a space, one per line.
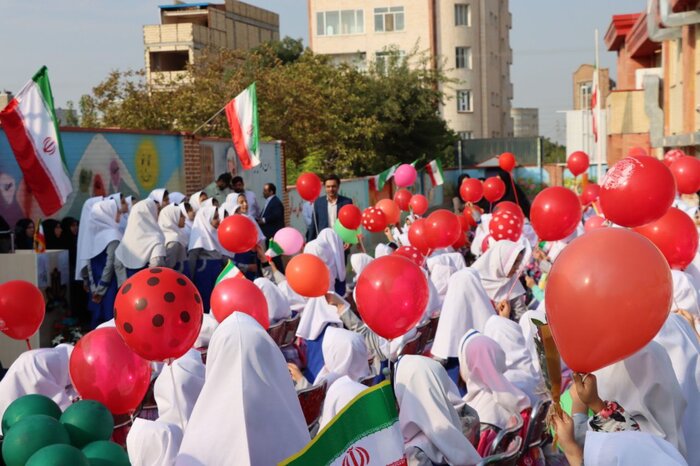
272, 217
326, 208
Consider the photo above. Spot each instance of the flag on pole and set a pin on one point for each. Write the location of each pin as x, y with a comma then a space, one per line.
434, 170
381, 179
365, 432
595, 103
230, 271
242, 116
39, 238
30, 123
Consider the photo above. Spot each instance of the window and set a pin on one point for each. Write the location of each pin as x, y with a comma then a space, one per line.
388, 19
343, 22
466, 135
464, 100
585, 92
463, 15
464, 57
387, 59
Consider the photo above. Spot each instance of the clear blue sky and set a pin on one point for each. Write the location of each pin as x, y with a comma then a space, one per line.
82, 40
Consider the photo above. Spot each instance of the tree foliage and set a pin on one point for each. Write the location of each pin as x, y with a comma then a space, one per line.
331, 117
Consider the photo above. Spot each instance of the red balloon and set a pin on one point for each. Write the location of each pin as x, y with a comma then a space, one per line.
506, 161
473, 215
505, 225
237, 233
555, 213
590, 193
593, 222
686, 171
402, 199
442, 228
350, 216
309, 186
485, 244
672, 155
235, 295
675, 235
158, 313
637, 190
494, 189
396, 280
472, 190
419, 204
461, 241
22, 309
391, 211
464, 222
374, 220
104, 369
511, 207
418, 236
411, 253
578, 162
308, 276
606, 280
637, 151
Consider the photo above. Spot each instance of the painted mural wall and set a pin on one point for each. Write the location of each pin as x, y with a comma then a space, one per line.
99, 163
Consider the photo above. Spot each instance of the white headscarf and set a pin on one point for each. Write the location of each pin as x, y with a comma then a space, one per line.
342, 392
381, 250
323, 252
157, 195
685, 294
332, 241
204, 235
683, 348
440, 278
153, 443
169, 222
344, 353
646, 386
176, 400
427, 399
521, 371
494, 266
84, 248
209, 324
116, 197
631, 448
317, 314
176, 197
295, 300
143, 237
482, 365
466, 306
103, 226
277, 305
248, 413
194, 200
454, 259
481, 232
358, 262
41, 371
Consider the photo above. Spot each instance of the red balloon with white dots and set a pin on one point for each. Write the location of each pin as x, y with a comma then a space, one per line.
158, 312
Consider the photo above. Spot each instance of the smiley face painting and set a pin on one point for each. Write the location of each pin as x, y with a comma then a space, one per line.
146, 163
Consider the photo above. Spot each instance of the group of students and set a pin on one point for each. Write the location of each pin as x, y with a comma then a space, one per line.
483, 368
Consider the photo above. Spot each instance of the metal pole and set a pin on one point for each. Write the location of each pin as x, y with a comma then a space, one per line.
601, 134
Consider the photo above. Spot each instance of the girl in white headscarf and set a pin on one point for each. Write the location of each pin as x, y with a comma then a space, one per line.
358, 262
127, 203
247, 261
102, 265
685, 295
498, 270
151, 443
177, 388
160, 196
248, 413
205, 252
143, 244
344, 353
338, 395
41, 371
466, 306
330, 240
480, 234
176, 197
482, 365
317, 316
196, 200
277, 305
435, 422
172, 220
84, 248
646, 386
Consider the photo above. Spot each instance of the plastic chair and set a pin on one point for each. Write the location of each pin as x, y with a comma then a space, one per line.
311, 401
369, 380
290, 333
424, 330
506, 436
278, 331
536, 431
412, 346
433, 328
149, 408
506, 458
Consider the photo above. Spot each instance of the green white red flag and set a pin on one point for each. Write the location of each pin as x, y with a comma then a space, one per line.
242, 116
230, 271
39, 238
434, 170
31, 127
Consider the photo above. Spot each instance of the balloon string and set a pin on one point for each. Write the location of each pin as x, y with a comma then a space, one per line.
517, 278
177, 398
515, 191
595, 208
29, 345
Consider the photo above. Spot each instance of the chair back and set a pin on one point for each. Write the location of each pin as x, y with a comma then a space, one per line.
290, 333
537, 426
277, 332
433, 324
507, 458
311, 401
506, 436
424, 330
369, 380
412, 346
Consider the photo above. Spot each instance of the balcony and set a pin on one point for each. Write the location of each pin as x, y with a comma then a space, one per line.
170, 34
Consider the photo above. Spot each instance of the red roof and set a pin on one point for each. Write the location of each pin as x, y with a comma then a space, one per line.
619, 27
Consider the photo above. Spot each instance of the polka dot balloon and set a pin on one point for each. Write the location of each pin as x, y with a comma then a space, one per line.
505, 225
412, 253
158, 312
374, 220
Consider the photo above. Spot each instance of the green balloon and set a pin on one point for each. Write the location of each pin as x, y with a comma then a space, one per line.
87, 421
58, 455
30, 435
347, 235
104, 453
28, 405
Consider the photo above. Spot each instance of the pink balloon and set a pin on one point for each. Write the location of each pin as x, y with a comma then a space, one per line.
290, 240
593, 222
405, 175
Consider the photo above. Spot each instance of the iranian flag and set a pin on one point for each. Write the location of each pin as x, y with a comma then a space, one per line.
242, 116
434, 170
381, 179
364, 433
29, 121
595, 104
39, 238
230, 271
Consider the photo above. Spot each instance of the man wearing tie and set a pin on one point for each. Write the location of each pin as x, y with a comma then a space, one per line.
272, 217
326, 208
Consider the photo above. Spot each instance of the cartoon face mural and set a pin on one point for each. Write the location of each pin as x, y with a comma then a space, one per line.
146, 163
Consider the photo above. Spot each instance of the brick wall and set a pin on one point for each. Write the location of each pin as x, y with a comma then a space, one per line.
192, 161
620, 144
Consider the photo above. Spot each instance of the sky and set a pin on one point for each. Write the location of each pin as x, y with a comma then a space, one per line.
82, 40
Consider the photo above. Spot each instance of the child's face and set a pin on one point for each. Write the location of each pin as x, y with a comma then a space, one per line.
215, 220
181, 222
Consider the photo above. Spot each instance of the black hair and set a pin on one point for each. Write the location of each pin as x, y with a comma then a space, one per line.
272, 188
332, 177
236, 179
225, 177
188, 206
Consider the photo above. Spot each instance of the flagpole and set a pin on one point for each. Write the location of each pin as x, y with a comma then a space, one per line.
599, 145
209, 120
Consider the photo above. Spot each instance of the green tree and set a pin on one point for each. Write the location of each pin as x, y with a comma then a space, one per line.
553, 152
71, 114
